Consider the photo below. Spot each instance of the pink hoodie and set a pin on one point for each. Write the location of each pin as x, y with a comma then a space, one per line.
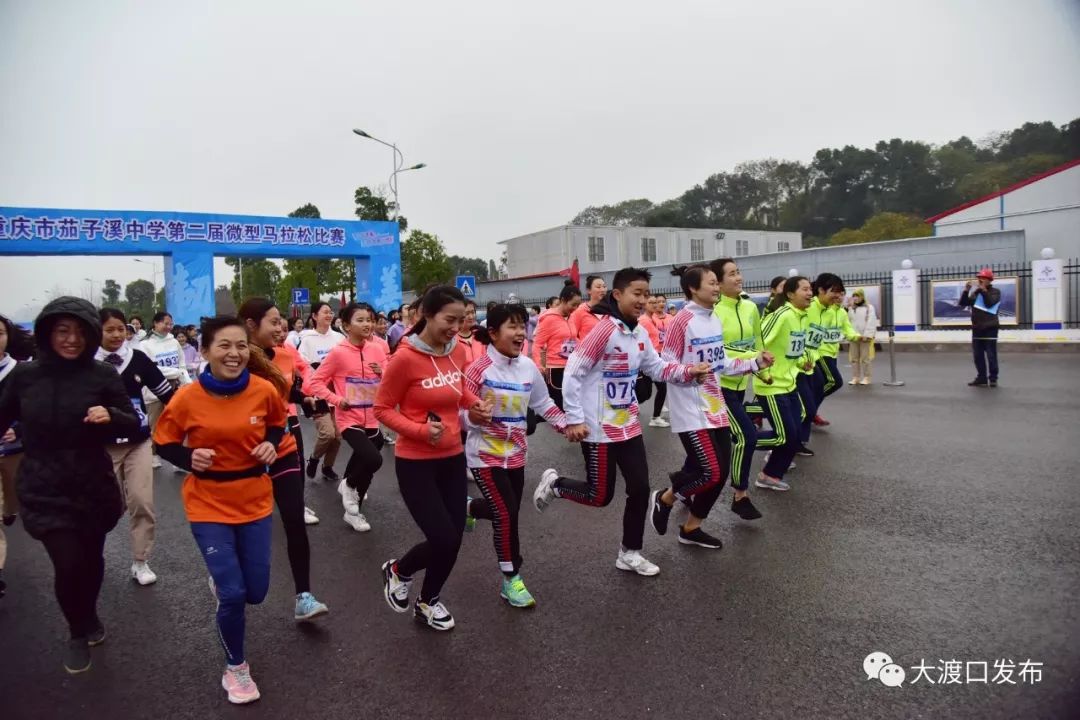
346, 370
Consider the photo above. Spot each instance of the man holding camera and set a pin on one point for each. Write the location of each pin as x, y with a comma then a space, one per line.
984, 301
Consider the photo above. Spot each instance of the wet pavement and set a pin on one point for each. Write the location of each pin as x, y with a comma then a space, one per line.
937, 523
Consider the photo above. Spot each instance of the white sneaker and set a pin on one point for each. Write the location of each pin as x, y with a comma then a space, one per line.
357, 522
544, 494
156, 462
350, 498
659, 422
769, 455
434, 616
666, 410
310, 518
142, 574
634, 561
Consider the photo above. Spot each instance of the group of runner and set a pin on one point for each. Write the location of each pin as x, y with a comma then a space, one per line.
462, 400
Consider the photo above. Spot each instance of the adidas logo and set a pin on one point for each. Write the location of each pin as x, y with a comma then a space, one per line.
441, 380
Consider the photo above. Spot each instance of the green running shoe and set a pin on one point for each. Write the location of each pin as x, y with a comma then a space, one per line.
514, 592
470, 521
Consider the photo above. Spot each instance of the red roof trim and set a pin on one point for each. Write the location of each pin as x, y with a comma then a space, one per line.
525, 277
1011, 188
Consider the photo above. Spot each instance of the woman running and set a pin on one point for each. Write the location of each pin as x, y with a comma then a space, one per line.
472, 348
131, 453
348, 380
827, 314
161, 347
16, 345
225, 430
582, 321
698, 414
783, 334
69, 407
554, 340
496, 451
263, 322
315, 345
655, 323
419, 397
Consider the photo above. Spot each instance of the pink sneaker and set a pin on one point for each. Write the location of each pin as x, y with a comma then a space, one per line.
238, 683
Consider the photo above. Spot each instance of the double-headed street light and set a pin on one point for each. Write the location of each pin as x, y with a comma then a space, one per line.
399, 166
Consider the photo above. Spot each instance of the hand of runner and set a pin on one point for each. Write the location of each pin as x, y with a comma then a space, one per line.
480, 413
576, 433
9, 436
201, 459
343, 404
698, 371
765, 360
435, 431
97, 415
376, 368
265, 452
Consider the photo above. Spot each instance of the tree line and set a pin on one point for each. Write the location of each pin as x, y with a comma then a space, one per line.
849, 194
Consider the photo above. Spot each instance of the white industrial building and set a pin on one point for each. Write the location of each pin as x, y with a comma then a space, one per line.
1046, 207
605, 248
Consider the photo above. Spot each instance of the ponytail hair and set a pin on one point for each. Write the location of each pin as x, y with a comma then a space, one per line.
434, 300
498, 316
569, 291
690, 277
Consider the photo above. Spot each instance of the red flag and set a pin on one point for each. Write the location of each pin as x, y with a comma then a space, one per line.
343, 302
573, 273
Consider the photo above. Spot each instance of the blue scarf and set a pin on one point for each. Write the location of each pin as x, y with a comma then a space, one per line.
224, 387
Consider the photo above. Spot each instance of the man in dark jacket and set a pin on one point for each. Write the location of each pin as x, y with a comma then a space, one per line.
984, 302
70, 407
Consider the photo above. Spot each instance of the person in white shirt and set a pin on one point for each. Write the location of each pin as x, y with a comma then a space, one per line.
293, 338
864, 319
165, 351
315, 345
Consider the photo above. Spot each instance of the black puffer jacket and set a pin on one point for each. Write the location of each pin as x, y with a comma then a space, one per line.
66, 481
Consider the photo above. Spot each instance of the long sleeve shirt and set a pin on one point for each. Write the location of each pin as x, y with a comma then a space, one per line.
742, 335
346, 374
783, 333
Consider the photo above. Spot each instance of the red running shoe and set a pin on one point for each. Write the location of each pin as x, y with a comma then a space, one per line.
821, 422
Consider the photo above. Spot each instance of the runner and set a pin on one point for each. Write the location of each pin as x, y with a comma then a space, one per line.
419, 397
496, 451
348, 380
554, 340
602, 408
293, 337
582, 321
698, 415
783, 335
262, 320
655, 323
301, 372
315, 345
827, 313
69, 407
472, 348
131, 453
224, 429
777, 299
161, 347
16, 345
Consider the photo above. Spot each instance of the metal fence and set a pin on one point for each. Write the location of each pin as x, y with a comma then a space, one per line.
939, 286
1072, 293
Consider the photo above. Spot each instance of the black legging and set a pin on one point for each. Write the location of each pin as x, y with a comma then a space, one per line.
502, 491
288, 483
366, 458
554, 388
658, 401
79, 566
434, 491
298, 435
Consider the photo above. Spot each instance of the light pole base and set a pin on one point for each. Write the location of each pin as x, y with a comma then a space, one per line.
893, 383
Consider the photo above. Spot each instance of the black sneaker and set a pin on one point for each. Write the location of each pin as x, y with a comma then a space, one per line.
745, 509
312, 466
97, 636
329, 475
804, 451
993, 383
700, 538
77, 656
977, 383
659, 513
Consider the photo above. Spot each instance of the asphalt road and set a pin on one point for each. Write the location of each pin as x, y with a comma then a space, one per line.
937, 523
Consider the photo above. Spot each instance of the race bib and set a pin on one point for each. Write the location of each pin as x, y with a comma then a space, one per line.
567, 349
617, 399
144, 421
708, 350
796, 345
833, 335
168, 360
504, 437
360, 392
815, 336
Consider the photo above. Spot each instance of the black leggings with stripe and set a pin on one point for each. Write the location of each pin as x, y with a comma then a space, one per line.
598, 489
830, 378
502, 491
711, 449
784, 413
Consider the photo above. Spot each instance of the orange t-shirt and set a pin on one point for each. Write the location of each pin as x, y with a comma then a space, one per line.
555, 337
231, 427
288, 363
582, 321
654, 333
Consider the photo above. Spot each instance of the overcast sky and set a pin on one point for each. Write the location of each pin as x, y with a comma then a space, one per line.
524, 116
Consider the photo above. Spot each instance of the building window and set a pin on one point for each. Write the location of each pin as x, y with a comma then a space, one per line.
783, 246
648, 250
596, 249
742, 248
697, 249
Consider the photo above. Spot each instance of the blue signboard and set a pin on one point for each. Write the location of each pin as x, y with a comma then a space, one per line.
467, 285
301, 296
189, 242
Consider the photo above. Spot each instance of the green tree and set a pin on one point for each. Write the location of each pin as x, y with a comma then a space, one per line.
139, 299
159, 300
223, 301
423, 261
110, 294
469, 266
374, 205
253, 277
883, 226
625, 213
302, 272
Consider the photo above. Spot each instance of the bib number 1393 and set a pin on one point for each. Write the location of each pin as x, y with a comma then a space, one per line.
796, 345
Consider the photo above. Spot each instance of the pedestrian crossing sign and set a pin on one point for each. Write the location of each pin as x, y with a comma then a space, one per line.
467, 285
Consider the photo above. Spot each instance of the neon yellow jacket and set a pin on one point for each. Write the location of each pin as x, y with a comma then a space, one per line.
783, 335
742, 335
833, 323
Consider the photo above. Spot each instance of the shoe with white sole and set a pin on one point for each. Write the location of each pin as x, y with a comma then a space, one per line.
865, 381
350, 497
771, 483
435, 616
544, 494
310, 518
395, 588
357, 522
239, 685
659, 422
634, 561
307, 607
155, 463
142, 574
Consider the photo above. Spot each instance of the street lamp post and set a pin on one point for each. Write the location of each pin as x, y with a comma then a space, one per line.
153, 273
399, 166
91, 281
